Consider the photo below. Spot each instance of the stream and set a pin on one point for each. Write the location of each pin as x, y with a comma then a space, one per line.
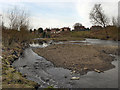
38, 69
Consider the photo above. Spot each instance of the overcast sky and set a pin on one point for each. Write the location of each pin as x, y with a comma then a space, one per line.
60, 13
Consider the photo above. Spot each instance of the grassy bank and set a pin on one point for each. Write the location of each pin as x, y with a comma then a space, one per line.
112, 33
10, 77
13, 44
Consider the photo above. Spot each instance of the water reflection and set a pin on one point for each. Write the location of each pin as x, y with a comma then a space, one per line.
84, 42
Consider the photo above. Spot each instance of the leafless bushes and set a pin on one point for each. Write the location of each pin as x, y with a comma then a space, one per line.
18, 18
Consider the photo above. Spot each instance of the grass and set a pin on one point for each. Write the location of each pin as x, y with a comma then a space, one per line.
10, 77
112, 33
10, 37
13, 41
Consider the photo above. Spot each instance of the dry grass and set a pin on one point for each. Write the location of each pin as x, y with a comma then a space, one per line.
13, 40
112, 32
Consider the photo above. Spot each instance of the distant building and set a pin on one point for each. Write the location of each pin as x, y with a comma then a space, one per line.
55, 30
65, 29
79, 28
82, 28
110, 26
96, 28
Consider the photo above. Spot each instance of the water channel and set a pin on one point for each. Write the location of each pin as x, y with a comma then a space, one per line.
38, 69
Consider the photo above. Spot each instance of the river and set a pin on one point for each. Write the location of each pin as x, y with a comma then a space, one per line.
38, 69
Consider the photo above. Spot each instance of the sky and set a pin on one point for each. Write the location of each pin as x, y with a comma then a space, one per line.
60, 13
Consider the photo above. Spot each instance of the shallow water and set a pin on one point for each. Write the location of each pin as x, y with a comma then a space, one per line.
100, 42
87, 41
38, 69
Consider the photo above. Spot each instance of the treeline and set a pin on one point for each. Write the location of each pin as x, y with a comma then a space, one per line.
10, 37
41, 33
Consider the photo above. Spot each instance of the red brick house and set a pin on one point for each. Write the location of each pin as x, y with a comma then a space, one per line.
65, 29
55, 30
82, 28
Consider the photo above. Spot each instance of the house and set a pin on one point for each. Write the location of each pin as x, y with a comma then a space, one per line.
110, 26
65, 29
96, 28
55, 30
82, 28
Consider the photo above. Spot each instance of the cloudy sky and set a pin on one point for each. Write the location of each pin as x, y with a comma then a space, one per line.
60, 13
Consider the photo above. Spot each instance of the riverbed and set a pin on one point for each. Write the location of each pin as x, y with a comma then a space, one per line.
44, 72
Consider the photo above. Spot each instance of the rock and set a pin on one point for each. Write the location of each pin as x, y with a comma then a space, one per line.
103, 51
50, 42
73, 72
19, 81
65, 76
96, 70
1, 57
24, 75
85, 68
36, 63
24, 66
45, 79
15, 57
71, 83
75, 78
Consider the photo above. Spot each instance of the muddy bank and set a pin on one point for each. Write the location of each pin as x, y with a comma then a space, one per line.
79, 58
42, 71
11, 78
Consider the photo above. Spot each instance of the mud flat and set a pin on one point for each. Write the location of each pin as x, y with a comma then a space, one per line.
44, 72
79, 58
69, 65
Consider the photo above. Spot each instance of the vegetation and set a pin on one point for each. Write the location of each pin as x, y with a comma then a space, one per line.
40, 30
17, 36
14, 40
10, 77
98, 34
77, 26
18, 18
10, 37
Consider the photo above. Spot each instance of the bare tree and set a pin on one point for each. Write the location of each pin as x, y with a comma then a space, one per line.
114, 21
118, 21
77, 24
18, 18
98, 17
